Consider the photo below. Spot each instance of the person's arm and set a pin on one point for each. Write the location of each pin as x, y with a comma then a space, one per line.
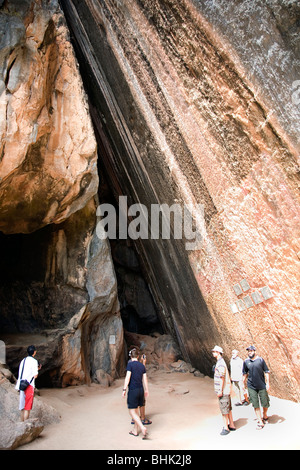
267, 379
126, 382
266, 372
145, 383
220, 394
36, 369
245, 372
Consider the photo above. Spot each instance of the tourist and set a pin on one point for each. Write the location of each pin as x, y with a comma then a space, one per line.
222, 386
236, 376
28, 370
257, 372
142, 409
137, 383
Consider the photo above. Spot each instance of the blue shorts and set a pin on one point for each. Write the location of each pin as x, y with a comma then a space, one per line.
135, 398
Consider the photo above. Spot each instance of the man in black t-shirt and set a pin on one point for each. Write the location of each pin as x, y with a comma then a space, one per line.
256, 371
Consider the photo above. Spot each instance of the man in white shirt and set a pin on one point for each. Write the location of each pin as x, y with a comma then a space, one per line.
28, 370
236, 375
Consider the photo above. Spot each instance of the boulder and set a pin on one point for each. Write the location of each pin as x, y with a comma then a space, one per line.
166, 349
103, 378
13, 435
158, 348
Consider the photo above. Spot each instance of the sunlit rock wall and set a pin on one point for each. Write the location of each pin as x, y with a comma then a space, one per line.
189, 107
48, 156
58, 287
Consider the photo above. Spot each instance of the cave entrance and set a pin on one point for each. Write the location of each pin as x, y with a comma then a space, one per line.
37, 301
42, 288
137, 306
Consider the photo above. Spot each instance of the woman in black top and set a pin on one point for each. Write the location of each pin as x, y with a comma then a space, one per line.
137, 383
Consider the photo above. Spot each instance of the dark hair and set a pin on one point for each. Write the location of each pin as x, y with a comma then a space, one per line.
30, 350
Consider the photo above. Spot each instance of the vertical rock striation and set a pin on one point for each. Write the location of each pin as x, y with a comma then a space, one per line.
182, 115
58, 287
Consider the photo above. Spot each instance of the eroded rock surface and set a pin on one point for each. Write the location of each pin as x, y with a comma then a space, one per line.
48, 156
188, 116
58, 286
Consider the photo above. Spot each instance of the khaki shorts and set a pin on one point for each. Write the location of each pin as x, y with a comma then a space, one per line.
225, 404
259, 395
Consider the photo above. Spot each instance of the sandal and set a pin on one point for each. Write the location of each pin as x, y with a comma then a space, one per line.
259, 427
132, 434
146, 421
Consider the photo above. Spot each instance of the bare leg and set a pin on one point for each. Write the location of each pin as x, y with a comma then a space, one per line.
258, 415
265, 413
137, 422
241, 391
26, 414
142, 412
230, 419
225, 422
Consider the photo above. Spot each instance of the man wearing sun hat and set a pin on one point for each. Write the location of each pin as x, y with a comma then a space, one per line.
222, 387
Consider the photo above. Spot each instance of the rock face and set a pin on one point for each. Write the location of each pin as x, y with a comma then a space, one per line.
48, 157
58, 286
65, 302
138, 311
194, 104
184, 113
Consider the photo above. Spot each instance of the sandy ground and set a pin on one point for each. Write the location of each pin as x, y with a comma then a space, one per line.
184, 413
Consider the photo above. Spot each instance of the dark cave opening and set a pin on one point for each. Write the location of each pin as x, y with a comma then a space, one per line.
137, 306
37, 300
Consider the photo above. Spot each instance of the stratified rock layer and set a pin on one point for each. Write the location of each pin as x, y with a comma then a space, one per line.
181, 117
48, 157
